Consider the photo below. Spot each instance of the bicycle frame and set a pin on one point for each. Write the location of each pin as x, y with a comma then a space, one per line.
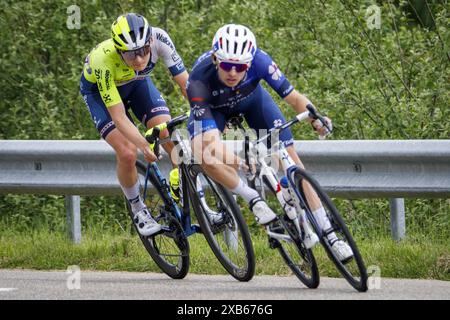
288, 168
183, 216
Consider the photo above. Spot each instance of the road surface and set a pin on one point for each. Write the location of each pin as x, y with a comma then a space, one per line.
43, 285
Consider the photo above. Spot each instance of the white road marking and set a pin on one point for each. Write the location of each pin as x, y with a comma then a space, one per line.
7, 289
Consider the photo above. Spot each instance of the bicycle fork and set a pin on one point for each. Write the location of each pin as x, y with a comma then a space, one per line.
298, 215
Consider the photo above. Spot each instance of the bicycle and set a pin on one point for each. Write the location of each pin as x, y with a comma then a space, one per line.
228, 238
288, 234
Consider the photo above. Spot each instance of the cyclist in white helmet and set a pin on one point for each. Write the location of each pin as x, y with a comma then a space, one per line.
225, 82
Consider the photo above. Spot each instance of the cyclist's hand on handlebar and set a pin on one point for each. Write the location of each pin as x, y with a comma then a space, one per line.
148, 154
320, 127
249, 171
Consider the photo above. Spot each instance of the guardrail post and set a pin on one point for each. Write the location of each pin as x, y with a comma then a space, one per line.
73, 218
397, 206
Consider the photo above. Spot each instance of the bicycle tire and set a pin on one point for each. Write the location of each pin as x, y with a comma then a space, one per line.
233, 221
338, 224
307, 263
175, 263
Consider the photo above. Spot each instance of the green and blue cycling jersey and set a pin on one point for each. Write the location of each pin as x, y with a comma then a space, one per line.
107, 80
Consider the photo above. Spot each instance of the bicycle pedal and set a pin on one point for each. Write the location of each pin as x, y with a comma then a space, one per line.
274, 243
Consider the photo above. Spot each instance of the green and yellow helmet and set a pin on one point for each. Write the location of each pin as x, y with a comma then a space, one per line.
130, 31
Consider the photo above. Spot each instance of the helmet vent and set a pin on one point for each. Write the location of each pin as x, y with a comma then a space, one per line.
243, 47
122, 38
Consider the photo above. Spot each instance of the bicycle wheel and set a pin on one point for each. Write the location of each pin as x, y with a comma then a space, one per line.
354, 270
169, 248
229, 239
292, 249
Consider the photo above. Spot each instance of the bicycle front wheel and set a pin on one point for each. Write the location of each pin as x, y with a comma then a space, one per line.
290, 245
228, 238
299, 259
353, 270
169, 248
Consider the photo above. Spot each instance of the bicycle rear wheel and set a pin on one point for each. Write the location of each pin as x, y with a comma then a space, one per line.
170, 247
229, 239
353, 270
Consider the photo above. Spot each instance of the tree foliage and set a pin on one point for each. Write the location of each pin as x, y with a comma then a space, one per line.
391, 82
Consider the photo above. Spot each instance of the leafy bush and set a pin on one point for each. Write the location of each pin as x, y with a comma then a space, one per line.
387, 83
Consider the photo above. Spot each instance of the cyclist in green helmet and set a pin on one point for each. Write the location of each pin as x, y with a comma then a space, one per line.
116, 80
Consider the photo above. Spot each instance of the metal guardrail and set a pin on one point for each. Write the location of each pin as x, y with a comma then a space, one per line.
347, 169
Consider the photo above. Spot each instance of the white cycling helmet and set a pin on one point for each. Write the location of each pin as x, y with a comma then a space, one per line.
234, 43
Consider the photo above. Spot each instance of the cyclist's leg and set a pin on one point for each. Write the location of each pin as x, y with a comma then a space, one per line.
208, 148
126, 154
217, 161
262, 113
265, 114
150, 108
125, 150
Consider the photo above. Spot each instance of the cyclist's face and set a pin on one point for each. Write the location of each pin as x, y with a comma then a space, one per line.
230, 77
138, 61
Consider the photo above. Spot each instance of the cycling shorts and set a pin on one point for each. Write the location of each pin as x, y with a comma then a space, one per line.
139, 96
258, 109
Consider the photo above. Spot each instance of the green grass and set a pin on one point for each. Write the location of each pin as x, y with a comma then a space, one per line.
43, 250
32, 235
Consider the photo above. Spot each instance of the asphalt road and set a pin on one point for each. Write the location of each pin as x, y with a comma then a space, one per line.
43, 285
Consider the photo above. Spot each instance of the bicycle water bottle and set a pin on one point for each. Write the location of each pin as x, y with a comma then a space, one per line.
285, 190
287, 197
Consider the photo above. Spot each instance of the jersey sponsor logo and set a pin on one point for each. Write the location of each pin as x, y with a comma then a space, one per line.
158, 109
98, 74
180, 65
274, 71
107, 98
277, 123
161, 99
198, 111
175, 57
108, 79
164, 40
285, 92
215, 93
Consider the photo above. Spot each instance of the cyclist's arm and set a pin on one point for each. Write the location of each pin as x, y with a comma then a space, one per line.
167, 51
127, 128
181, 80
299, 102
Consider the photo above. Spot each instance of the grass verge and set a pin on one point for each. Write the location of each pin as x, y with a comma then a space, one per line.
43, 250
